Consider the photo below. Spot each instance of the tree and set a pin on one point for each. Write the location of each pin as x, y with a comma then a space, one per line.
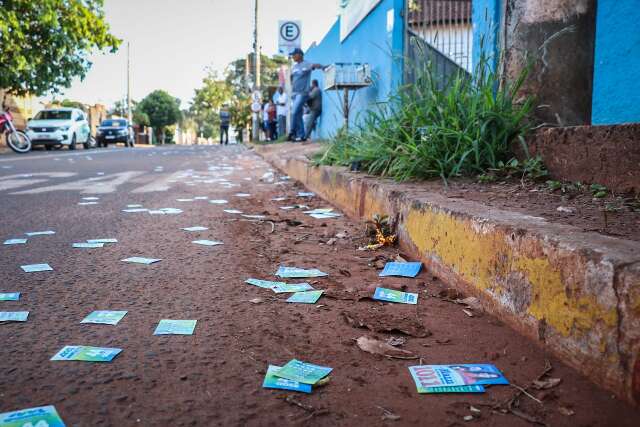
45, 44
207, 101
162, 109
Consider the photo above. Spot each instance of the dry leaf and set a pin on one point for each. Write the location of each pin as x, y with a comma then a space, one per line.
547, 384
373, 346
566, 411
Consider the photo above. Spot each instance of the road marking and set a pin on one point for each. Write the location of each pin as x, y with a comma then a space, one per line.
160, 184
101, 185
12, 182
50, 156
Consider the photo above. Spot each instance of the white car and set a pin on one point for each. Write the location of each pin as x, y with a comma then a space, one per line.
60, 127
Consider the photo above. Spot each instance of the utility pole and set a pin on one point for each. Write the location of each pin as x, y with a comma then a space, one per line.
129, 113
256, 47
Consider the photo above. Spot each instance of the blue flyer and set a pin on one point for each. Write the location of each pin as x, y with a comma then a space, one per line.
303, 372
36, 417
391, 295
271, 381
35, 268
309, 297
103, 317
281, 288
13, 316
141, 260
86, 353
402, 269
15, 242
294, 272
10, 296
441, 378
175, 327
264, 284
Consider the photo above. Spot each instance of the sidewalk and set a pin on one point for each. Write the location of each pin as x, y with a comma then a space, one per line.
576, 293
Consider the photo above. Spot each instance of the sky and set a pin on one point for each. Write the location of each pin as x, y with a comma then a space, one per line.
174, 41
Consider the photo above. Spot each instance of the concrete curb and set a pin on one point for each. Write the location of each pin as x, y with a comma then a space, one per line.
576, 293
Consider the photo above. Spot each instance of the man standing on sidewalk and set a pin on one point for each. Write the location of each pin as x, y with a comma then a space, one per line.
225, 120
315, 108
282, 109
300, 82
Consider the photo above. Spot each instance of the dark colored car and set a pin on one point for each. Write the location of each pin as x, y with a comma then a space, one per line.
113, 131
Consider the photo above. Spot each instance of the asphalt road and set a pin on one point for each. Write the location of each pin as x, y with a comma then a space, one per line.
214, 376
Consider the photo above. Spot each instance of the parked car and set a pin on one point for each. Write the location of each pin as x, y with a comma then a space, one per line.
115, 130
60, 127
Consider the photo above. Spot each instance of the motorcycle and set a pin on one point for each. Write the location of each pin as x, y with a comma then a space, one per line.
17, 140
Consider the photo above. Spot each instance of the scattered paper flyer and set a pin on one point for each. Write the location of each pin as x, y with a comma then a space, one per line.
86, 353
319, 211
254, 216
40, 233
325, 215
10, 296
91, 198
282, 288
287, 208
218, 202
264, 284
13, 316
278, 199
104, 317
391, 295
175, 327
232, 211
135, 210
46, 416
88, 245
15, 242
141, 260
272, 381
35, 268
294, 272
448, 378
195, 229
308, 297
87, 203
201, 198
184, 200
242, 195
403, 269
171, 211
102, 241
304, 194
303, 372
134, 206
207, 242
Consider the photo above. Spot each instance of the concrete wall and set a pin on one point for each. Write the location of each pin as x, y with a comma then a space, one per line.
560, 34
378, 41
616, 91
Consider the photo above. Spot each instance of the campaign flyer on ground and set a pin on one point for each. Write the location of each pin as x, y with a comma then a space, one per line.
35, 268
429, 378
294, 287
43, 416
104, 317
271, 381
309, 297
141, 260
303, 372
265, 284
391, 295
13, 316
87, 354
294, 272
9, 296
402, 269
175, 327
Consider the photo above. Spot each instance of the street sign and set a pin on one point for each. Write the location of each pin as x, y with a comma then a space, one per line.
289, 36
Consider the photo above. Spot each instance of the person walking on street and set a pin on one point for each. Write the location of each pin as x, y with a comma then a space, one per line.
273, 121
300, 81
315, 108
225, 120
282, 108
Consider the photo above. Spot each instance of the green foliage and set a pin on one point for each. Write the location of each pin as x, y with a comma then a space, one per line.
44, 44
67, 103
162, 110
565, 187
206, 104
140, 118
598, 191
464, 126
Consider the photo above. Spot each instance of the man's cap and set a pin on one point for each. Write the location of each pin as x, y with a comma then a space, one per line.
296, 51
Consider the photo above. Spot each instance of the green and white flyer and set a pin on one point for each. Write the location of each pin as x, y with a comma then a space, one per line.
272, 381
43, 416
87, 354
10, 296
175, 327
105, 317
303, 372
13, 316
309, 297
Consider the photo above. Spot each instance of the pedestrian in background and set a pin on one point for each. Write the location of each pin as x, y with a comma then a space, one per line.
273, 121
265, 120
315, 108
300, 81
225, 120
282, 109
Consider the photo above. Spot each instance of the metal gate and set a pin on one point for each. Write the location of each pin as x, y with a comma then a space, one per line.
440, 32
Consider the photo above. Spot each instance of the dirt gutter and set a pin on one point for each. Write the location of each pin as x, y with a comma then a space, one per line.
575, 293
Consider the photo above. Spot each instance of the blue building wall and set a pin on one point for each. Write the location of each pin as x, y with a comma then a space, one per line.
486, 18
616, 82
371, 43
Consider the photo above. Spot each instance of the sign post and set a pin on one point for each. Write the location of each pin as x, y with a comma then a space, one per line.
289, 36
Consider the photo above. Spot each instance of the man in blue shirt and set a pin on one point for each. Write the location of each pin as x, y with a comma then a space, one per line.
225, 120
300, 85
